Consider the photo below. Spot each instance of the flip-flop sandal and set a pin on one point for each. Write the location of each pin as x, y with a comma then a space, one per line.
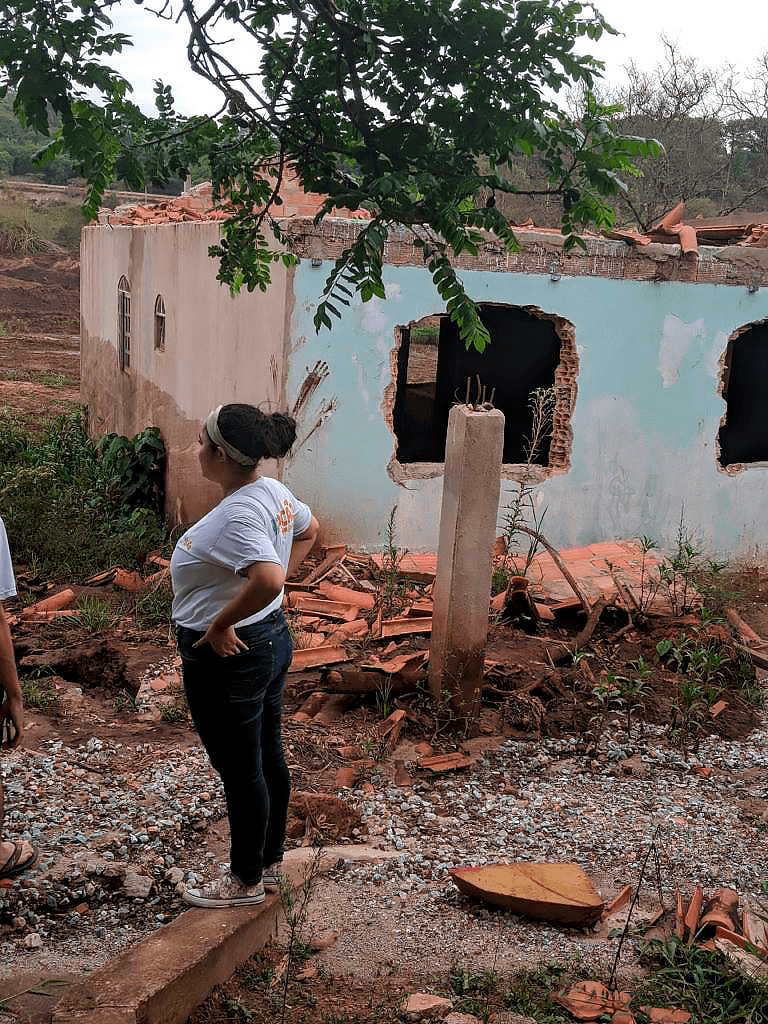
19, 860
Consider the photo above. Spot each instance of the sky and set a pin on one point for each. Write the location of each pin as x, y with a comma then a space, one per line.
734, 32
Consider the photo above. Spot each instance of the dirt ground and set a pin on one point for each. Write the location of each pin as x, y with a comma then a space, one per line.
543, 690
39, 333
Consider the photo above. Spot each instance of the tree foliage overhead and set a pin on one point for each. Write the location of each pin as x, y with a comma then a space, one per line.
411, 109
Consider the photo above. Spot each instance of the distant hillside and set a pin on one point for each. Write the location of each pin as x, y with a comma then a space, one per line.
37, 216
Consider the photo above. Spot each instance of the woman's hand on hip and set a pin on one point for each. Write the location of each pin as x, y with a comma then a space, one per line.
223, 639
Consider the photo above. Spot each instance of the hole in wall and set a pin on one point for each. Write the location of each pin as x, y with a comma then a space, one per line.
743, 434
529, 349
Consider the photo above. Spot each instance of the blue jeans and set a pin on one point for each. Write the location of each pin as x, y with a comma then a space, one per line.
236, 705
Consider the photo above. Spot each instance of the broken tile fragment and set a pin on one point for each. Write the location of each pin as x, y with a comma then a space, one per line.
439, 763
348, 775
546, 892
412, 659
659, 1015
405, 626
338, 610
585, 1000
128, 580
333, 708
424, 1006
56, 602
346, 595
722, 910
621, 899
693, 912
313, 657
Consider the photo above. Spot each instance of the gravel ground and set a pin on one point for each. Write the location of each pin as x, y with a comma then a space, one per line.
121, 829
535, 802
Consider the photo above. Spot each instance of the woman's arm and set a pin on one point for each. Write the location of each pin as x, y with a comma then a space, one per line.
302, 545
12, 707
263, 582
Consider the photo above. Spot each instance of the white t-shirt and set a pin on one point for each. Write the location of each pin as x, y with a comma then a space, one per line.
7, 579
256, 523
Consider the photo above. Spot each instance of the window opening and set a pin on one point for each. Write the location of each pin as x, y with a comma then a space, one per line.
159, 324
124, 323
529, 349
743, 435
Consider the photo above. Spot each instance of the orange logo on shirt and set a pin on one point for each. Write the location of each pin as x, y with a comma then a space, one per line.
285, 517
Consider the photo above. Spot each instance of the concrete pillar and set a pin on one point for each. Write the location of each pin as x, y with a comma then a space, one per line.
462, 590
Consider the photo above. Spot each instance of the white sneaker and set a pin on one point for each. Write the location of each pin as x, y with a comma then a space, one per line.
226, 891
273, 875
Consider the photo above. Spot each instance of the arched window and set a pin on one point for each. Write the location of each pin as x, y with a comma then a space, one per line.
124, 323
160, 324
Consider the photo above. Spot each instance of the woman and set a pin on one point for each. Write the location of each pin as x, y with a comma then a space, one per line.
15, 856
228, 572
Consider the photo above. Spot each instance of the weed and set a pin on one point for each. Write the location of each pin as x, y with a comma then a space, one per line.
649, 585
295, 903
38, 695
499, 579
677, 573
474, 989
57, 380
522, 511
133, 468
385, 701
375, 745
258, 975
40, 672
94, 614
425, 335
153, 607
241, 1012
527, 992
175, 713
704, 670
391, 591
634, 690
24, 226
607, 694
702, 982
123, 702
300, 638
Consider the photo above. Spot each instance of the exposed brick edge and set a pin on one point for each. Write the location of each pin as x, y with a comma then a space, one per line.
734, 265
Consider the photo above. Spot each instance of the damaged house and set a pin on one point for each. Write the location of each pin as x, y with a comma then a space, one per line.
657, 348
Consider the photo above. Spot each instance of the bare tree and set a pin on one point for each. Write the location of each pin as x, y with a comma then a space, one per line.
746, 106
685, 107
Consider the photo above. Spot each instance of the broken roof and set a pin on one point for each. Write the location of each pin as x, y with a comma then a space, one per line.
197, 204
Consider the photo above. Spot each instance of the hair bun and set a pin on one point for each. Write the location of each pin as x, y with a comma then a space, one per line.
281, 435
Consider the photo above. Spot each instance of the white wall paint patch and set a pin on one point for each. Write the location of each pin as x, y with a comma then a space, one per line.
373, 319
675, 343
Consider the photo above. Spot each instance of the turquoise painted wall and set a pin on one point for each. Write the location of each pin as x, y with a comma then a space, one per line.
644, 425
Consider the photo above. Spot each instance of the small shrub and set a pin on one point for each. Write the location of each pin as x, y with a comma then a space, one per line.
70, 506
